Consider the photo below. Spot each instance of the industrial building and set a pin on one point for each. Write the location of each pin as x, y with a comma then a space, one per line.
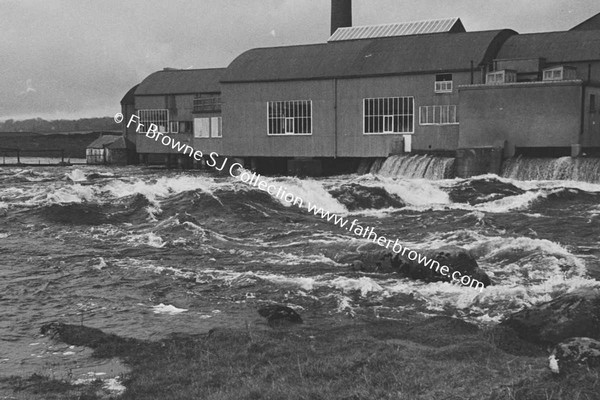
185, 104
374, 91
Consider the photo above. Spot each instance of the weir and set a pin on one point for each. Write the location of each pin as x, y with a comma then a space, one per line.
415, 166
563, 168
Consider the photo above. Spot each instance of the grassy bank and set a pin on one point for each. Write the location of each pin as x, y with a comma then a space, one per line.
418, 358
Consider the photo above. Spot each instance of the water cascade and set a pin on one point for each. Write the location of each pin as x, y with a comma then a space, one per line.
415, 166
564, 168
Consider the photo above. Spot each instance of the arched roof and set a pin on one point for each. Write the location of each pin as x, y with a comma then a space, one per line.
181, 81
555, 47
368, 57
129, 96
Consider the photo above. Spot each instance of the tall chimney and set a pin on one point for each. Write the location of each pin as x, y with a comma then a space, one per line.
341, 14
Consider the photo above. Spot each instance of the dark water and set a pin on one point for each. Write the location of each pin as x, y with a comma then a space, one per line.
128, 250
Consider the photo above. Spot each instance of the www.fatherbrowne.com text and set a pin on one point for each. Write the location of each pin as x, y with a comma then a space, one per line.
236, 170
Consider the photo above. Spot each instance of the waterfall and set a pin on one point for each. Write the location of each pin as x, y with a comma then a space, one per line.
564, 168
415, 166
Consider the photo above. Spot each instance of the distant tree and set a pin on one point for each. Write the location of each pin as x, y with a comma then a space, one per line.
61, 125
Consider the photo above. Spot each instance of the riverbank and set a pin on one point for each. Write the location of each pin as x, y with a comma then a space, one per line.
414, 357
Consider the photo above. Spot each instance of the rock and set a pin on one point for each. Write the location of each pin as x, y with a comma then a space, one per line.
575, 314
573, 352
358, 197
277, 314
456, 258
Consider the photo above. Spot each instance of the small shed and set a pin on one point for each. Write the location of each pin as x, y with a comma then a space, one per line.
110, 149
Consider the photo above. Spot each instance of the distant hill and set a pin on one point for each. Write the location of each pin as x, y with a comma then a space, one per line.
39, 125
30, 143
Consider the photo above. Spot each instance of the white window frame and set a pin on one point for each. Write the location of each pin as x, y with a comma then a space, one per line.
174, 126
372, 103
216, 127
290, 110
153, 116
202, 128
554, 74
443, 87
438, 110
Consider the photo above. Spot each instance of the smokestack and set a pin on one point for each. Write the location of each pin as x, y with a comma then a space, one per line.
341, 14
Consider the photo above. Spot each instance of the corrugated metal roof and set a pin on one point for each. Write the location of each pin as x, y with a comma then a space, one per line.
368, 57
103, 141
399, 29
555, 47
181, 81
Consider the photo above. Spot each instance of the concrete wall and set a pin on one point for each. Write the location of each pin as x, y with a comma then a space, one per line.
525, 114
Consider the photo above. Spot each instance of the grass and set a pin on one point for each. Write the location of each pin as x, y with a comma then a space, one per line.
417, 358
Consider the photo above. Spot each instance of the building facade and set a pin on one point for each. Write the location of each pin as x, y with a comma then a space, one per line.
371, 92
185, 104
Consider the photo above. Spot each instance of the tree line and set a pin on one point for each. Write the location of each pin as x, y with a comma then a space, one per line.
60, 125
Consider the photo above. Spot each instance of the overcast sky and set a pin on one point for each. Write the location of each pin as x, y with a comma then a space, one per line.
77, 58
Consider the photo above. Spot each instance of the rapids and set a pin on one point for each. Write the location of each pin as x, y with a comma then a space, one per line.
145, 253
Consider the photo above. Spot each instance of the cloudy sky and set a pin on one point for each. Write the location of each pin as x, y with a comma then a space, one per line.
77, 58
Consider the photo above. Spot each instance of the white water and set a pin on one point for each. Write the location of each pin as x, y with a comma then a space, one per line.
564, 168
415, 166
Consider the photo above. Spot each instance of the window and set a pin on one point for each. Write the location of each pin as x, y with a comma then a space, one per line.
443, 83
388, 115
592, 103
201, 127
215, 127
438, 115
562, 72
174, 127
553, 75
158, 117
289, 117
207, 127
500, 77
207, 103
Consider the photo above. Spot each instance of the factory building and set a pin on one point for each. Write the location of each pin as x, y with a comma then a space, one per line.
185, 104
374, 91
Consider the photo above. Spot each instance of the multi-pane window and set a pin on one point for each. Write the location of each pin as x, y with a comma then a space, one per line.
207, 127
560, 73
289, 117
443, 83
389, 115
159, 117
207, 103
438, 115
501, 77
